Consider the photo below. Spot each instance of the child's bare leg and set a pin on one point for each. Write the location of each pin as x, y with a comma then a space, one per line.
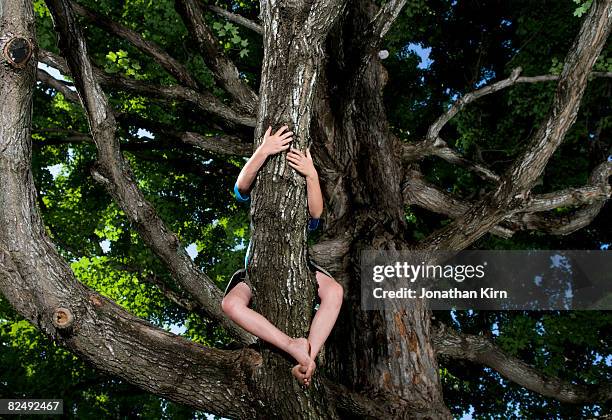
235, 305
331, 295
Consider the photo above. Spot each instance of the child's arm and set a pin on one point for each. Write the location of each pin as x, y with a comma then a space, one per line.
303, 164
271, 144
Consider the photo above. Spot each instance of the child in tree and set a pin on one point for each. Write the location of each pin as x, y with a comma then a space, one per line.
238, 294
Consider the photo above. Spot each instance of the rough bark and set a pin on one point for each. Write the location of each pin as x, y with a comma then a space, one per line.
41, 287
283, 287
389, 353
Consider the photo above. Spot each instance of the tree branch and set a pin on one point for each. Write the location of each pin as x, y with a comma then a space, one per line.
529, 215
412, 152
433, 145
451, 156
591, 197
225, 144
121, 344
384, 18
370, 25
170, 64
205, 101
115, 174
419, 192
59, 86
222, 144
478, 349
519, 179
218, 143
433, 132
42, 288
233, 17
223, 69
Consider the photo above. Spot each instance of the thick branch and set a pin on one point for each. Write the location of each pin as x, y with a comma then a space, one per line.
233, 17
172, 66
419, 192
39, 284
223, 68
115, 174
591, 197
118, 343
481, 350
530, 214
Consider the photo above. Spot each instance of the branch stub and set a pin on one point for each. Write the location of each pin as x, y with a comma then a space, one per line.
17, 51
63, 318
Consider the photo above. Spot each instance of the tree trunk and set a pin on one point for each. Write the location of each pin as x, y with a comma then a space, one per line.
322, 77
283, 288
385, 352
395, 357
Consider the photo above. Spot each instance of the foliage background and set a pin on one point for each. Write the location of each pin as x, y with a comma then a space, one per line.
438, 51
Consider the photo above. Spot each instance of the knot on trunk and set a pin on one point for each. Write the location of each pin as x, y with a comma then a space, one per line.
18, 51
63, 319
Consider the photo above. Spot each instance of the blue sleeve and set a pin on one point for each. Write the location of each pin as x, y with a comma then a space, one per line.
239, 196
313, 224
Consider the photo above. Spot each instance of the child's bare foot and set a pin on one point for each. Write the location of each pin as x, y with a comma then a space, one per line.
299, 348
308, 372
299, 372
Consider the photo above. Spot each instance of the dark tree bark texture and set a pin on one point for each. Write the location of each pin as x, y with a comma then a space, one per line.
322, 77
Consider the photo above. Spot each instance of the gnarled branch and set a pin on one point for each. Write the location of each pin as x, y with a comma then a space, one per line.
479, 349
115, 174
519, 179
530, 215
